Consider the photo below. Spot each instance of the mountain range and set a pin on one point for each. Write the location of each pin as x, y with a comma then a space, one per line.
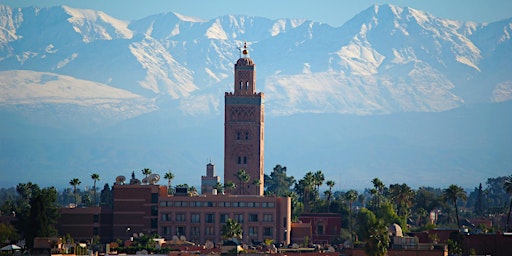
395, 93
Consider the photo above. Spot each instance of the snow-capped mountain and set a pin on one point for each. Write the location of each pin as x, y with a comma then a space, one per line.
142, 90
386, 59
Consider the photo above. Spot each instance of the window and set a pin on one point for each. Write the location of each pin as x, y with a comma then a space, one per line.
320, 229
209, 231
95, 218
267, 217
210, 218
253, 231
239, 160
267, 231
154, 198
245, 160
163, 203
166, 217
180, 217
238, 136
167, 230
247, 85
180, 231
253, 217
154, 223
246, 135
241, 85
239, 218
224, 217
95, 231
194, 218
154, 210
194, 231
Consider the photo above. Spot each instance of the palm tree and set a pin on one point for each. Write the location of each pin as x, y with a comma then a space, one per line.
402, 196
507, 185
75, 182
231, 229
318, 180
243, 177
351, 197
219, 187
169, 176
229, 186
378, 241
452, 194
330, 184
308, 184
95, 177
146, 172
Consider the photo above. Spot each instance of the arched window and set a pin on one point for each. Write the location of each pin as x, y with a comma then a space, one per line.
241, 85
247, 85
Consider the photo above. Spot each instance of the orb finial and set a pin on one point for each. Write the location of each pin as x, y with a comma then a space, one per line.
245, 51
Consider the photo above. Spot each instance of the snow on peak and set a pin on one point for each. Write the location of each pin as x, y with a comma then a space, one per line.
215, 31
96, 25
188, 18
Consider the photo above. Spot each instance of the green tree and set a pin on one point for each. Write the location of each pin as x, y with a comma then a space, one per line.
304, 188
38, 217
75, 182
146, 172
95, 177
7, 233
106, 196
169, 176
330, 184
231, 229
507, 185
229, 186
452, 194
278, 183
243, 177
350, 197
402, 196
374, 232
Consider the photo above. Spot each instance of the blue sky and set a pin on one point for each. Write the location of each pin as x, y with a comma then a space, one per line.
333, 12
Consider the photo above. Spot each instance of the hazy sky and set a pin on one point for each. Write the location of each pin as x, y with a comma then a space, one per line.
333, 12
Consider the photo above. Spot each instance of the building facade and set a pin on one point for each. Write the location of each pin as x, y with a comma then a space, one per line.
244, 129
210, 180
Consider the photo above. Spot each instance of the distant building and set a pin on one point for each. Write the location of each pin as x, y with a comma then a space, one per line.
209, 182
325, 227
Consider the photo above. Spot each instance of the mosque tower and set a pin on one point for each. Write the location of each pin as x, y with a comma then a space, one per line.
244, 129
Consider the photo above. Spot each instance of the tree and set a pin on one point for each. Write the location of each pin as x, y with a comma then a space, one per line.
38, 216
507, 185
401, 196
374, 231
231, 229
304, 189
452, 194
106, 197
377, 192
350, 197
330, 184
243, 177
229, 186
318, 180
169, 176
95, 177
146, 172
75, 182
278, 183
479, 204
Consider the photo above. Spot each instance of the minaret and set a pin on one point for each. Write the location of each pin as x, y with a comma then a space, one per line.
244, 129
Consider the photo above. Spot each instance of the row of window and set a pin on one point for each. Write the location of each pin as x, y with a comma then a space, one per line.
210, 231
217, 204
210, 217
239, 136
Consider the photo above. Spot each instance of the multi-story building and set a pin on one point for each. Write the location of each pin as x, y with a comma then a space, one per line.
200, 218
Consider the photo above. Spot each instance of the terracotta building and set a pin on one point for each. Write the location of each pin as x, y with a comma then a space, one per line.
244, 128
200, 218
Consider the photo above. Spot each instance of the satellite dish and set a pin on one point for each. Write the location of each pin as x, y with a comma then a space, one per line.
183, 238
209, 244
295, 246
141, 234
120, 180
175, 238
153, 178
145, 181
135, 235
